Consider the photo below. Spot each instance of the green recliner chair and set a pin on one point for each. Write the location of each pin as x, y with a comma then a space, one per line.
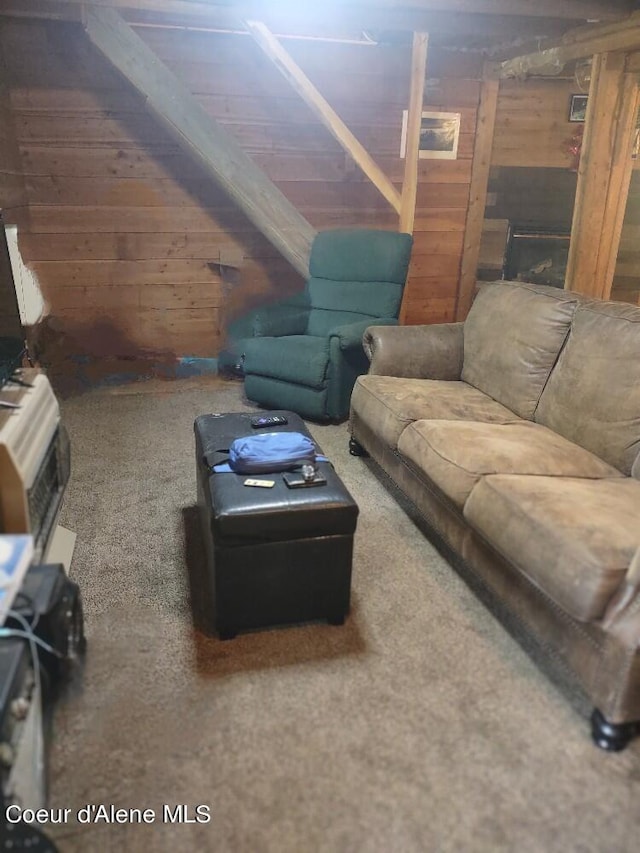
306, 353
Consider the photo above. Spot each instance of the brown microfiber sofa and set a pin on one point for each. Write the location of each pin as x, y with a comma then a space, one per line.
516, 435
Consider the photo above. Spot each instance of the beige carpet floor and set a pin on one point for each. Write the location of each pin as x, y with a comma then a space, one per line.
420, 725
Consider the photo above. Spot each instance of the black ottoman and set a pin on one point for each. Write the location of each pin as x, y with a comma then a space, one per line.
277, 555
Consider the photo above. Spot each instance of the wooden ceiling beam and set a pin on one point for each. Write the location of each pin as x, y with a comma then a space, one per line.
441, 26
411, 15
41, 9
206, 141
578, 9
571, 9
583, 42
482, 30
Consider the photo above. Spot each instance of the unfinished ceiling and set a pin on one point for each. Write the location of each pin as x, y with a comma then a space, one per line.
494, 27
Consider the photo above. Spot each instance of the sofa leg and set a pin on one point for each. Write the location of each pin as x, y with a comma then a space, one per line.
611, 736
356, 449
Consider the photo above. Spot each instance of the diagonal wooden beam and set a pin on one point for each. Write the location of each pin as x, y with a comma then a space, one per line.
202, 137
485, 126
292, 72
580, 43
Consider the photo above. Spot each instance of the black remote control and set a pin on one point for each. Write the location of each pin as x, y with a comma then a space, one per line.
268, 421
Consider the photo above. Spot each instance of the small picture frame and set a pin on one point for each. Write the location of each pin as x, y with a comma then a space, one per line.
439, 135
578, 107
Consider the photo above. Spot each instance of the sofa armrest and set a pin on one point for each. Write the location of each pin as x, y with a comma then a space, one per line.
352, 334
615, 680
416, 352
626, 595
279, 320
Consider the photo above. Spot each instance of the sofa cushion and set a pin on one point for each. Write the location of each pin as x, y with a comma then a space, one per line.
372, 297
456, 454
294, 358
512, 337
360, 254
593, 394
387, 404
573, 538
321, 322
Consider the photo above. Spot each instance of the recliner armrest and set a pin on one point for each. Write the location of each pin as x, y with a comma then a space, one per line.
416, 352
351, 335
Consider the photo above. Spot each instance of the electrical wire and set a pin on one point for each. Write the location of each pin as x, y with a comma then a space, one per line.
28, 635
31, 605
34, 642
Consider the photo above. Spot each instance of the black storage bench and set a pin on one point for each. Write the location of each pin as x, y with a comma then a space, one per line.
275, 555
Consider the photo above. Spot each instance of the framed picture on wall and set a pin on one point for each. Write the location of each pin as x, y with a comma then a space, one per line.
578, 107
439, 134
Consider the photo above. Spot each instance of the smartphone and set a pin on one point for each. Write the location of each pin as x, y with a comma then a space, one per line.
296, 481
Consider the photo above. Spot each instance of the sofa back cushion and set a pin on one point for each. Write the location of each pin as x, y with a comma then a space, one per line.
338, 303
360, 254
593, 394
356, 274
512, 337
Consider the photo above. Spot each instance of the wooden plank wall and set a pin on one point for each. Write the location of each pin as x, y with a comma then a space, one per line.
124, 236
12, 190
532, 123
127, 239
12, 203
452, 85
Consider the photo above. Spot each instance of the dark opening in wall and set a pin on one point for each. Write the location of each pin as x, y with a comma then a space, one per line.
536, 254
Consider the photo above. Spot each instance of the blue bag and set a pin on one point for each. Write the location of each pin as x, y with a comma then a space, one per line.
266, 452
